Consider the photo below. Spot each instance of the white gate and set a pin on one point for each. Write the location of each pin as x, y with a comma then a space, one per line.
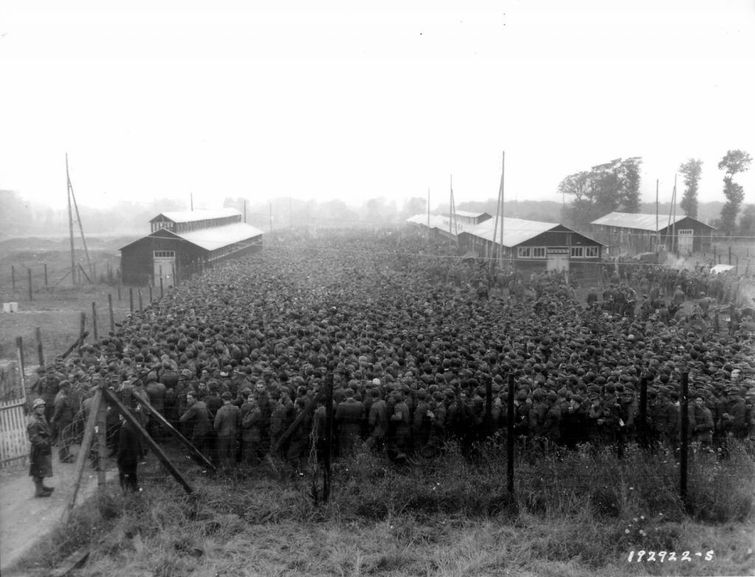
686, 238
164, 262
558, 259
14, 445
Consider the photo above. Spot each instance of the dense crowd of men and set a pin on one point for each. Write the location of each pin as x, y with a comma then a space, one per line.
419, 345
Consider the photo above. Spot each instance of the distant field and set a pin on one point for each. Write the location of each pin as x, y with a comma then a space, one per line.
56, 309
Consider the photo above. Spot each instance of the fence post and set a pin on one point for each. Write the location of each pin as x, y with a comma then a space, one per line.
643, 412
510, 437
13, 277
101, 430
45, 265
139, 294
150, 294
110, 312
131, 299
21, 360
119, 291
40, 354
715, 255
94, 320
81, 458
161, 287
328, 435
685, 437
30, 293
729, 254
82, 328
489, 407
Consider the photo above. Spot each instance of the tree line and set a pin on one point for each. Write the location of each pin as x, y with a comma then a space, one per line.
614, 186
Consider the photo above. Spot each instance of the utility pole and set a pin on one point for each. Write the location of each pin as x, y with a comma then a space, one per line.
657, 229
497, 253
72, 198
453, 227
70, 225
674, 240
500, 195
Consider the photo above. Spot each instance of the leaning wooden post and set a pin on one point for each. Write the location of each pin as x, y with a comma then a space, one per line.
110, 312
511, 417
161, 287
101, 430
81, 457
685, 437
147, 439
94, 320
150, 294
40, 354
131, 299
45, 265
31, 296
139, 294
155, 414
13, 277
119, 291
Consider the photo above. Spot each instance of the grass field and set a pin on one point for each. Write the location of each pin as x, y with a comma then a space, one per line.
449, 517
55, 309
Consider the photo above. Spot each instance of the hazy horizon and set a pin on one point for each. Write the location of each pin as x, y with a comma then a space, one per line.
154, 99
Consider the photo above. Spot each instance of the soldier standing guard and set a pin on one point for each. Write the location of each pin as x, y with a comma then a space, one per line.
40, 460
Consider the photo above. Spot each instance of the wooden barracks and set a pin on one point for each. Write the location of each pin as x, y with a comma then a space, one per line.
182, 243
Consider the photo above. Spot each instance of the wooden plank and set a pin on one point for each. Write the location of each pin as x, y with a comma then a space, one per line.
149, 440
164, 422
81, 457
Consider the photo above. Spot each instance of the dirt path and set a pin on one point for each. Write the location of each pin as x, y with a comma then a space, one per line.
24, 519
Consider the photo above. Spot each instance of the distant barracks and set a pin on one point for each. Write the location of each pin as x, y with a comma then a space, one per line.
182, 243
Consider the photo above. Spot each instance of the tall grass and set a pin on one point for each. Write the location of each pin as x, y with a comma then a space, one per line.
574, 513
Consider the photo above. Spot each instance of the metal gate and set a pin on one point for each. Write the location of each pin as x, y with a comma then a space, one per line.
14, 445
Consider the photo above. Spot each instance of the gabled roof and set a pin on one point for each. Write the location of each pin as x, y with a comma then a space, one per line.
195, 215
217, 237
468, 214
639, 221
515, 230
211, 238
441, 222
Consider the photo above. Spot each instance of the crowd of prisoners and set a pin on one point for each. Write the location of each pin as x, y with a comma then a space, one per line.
413, 338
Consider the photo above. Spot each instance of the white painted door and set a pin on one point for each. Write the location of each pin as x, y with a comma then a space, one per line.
164, 267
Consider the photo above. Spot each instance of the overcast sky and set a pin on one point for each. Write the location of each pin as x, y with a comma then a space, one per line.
359, 99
